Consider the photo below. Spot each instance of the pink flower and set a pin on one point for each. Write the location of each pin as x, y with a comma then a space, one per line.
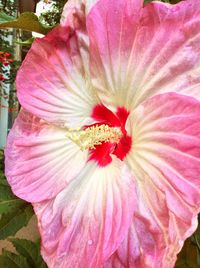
4, 59
2, 78
107, 145
5, 63
6, 54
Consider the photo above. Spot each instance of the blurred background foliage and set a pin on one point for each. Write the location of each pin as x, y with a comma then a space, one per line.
8, 65
15, 213
52, 17
165, 1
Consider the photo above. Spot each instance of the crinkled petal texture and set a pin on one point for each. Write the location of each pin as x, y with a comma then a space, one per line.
86, 222
75, 11
166, 164
90, 216
140, 52
40, 159
74, 18
58, 88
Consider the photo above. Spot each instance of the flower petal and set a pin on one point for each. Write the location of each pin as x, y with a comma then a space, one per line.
170, 53
88, 220
74, 17
40, 159
165, 160
140, 52
53, 82
142, 248
75, 11
112, 26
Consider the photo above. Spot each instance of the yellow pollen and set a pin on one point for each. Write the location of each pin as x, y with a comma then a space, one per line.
94, 135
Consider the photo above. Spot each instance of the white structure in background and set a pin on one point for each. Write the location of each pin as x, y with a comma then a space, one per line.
41, 7
4, 108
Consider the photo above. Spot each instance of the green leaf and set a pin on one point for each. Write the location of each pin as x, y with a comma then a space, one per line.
11, 222
189, 255
5, 18
10, 205
3, 180
27, 42
11, 260
147, 1
198, 260
27, 21
42, 265
1, 154
165, 1
30, 250
14, 212
8, 201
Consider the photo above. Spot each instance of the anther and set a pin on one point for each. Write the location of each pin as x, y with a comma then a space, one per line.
94, 135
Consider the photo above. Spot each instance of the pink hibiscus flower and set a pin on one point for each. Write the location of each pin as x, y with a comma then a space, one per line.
107, 145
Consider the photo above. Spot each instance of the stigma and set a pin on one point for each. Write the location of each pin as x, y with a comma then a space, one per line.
94, 135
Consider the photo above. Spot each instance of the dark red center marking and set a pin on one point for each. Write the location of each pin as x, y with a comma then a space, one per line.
101, 153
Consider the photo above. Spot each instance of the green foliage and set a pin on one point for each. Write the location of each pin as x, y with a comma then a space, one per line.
1, 164
28, 255
27, 21
30, 251
189, 257
9, 9
9, 6
8, 202
27, 42
12, 222
165, 1
12, 260
14, 212
5, 18
52, 17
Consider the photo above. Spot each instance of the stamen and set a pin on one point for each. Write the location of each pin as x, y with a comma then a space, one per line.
94, 135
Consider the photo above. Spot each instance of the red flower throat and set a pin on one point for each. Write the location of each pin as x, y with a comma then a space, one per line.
102, 153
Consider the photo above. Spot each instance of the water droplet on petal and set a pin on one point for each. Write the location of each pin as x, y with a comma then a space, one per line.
90, 242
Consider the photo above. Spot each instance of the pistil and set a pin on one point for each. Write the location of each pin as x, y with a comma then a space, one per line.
94, 135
